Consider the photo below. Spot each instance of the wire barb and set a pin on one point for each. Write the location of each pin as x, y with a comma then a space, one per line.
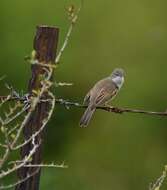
113, 109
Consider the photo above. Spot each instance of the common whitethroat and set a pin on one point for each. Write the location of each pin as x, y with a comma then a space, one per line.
101, 93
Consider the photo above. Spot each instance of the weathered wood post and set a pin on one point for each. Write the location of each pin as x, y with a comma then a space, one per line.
45, 46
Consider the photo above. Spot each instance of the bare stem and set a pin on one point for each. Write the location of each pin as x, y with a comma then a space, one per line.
19, 181
70, 29
158, 183
51, 165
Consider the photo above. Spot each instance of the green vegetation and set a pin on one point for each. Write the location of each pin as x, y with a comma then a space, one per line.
121, 152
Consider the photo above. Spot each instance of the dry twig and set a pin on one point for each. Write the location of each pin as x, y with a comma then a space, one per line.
158, 183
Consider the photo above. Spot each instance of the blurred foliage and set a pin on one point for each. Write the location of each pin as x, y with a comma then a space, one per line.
116, 151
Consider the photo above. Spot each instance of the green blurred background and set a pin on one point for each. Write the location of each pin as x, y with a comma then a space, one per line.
121, 152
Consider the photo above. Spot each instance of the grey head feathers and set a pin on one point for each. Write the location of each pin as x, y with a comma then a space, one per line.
117, 72
117, 77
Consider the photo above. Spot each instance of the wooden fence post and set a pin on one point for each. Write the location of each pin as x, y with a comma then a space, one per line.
45, 46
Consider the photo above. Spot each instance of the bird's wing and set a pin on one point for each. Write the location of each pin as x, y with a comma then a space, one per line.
105, 95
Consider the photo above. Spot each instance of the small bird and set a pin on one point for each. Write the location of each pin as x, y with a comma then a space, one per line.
101, 93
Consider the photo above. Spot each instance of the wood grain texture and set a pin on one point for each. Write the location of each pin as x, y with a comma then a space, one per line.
45, 46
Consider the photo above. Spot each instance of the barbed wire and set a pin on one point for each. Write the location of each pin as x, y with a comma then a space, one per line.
108, 108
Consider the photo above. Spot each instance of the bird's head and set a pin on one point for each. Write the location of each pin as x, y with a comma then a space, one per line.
117, 77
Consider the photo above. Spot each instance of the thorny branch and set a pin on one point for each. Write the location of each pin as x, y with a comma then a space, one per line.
52, 165
20, 181
158, 183
32, 102
24, 161
29, 104
42, 127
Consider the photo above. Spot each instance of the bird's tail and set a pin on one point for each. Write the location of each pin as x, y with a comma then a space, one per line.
87, 116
